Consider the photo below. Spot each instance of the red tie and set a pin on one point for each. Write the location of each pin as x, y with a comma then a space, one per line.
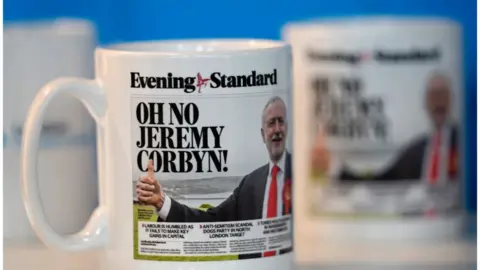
272, 194
452, 164
272, 202
433, 173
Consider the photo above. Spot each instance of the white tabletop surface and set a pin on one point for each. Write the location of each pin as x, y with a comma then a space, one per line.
455, 256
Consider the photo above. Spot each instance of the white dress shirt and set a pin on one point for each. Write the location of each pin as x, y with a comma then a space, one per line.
280, 181
446, 133
163, 212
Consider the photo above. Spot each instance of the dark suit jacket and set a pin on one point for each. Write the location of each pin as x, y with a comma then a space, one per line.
408, 166
245, 203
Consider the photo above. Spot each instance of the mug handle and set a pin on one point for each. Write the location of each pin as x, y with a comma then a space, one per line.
94, 234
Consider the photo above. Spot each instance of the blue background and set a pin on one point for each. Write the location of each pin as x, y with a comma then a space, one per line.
126, 20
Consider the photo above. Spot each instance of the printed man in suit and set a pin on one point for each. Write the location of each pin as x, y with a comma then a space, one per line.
263, 193
432, 157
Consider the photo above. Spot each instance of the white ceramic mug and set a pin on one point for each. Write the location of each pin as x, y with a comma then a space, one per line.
371, 94
213, 116
35, 53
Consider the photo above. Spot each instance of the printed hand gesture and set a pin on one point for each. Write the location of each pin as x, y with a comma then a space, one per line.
149, 190
320, 156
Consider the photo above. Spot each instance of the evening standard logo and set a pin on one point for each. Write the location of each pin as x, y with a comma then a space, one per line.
415, 55
408, 56
337, 56
200, 82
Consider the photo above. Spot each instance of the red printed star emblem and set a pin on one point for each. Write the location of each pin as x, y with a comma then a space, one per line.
201, 82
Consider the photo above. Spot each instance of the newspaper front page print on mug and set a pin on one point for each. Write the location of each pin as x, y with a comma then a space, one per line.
195, 149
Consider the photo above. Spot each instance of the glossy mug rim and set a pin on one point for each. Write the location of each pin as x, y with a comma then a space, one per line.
368, 25
376, 20
72, 26
194, 47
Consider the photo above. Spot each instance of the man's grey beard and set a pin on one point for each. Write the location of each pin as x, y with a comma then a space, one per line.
276, 156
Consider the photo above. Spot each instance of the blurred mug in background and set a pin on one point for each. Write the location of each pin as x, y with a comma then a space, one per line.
378, 110
34, 53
